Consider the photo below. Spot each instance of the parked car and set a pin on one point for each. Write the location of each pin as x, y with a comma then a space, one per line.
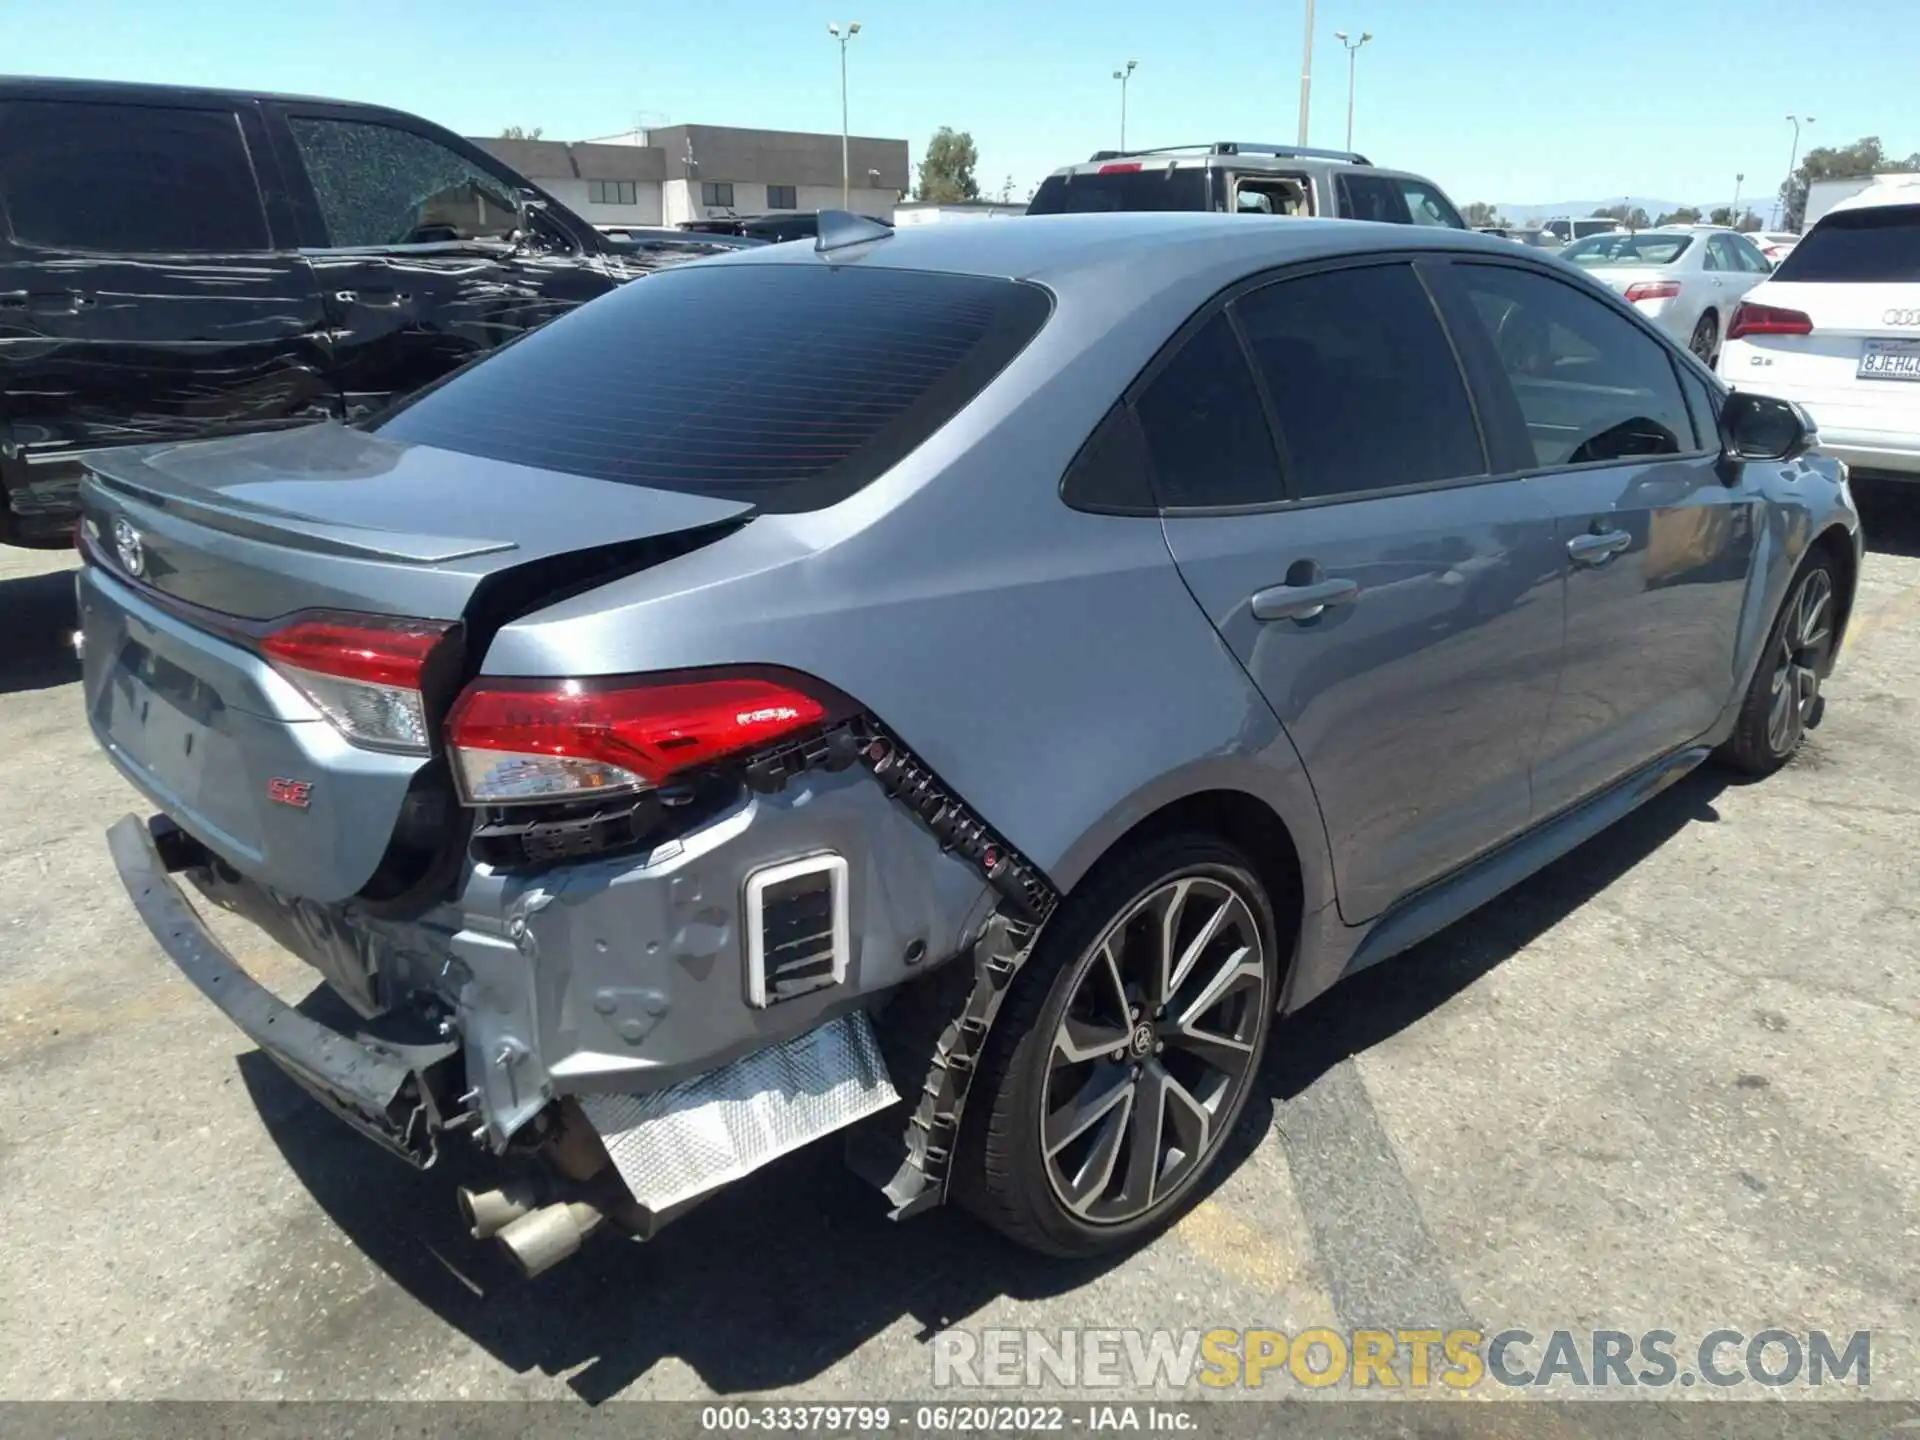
1686, 279
1836, 327
179, 263
670, 791
1565, 229
772, 228
670, 238
1245, 179
1776, 245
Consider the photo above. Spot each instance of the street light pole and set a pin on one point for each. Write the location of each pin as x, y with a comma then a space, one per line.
843, 36
1793, 159
1735, 212
1353, 49
1306, 74
1123, 76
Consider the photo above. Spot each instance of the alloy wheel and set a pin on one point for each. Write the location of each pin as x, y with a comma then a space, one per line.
1800, 654
1704, 334
1155, 1046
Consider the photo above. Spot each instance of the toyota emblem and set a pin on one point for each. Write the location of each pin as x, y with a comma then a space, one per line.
128, 546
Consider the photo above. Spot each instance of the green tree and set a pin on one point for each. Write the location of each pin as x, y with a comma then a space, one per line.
1478, 213
1866, 156
520, 132
1747, 223
1685, 215
1633, 218
946, 173
1722, 215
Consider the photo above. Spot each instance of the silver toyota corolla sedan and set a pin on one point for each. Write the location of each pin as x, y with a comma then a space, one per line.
954, 687
1686, 279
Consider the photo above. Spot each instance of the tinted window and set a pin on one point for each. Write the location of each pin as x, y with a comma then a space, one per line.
1645, 248
1427, 206
380, 186
130, 179
1879, 244
1363, 380
1206, 433
1749, 255
1704, 406
1157, 189
1372, 197
784, 386
1590, 384
782, 197
1111, 475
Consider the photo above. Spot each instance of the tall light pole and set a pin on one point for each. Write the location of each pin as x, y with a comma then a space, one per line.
1123, 76
843, 36
1353, 49
1738, 180
1793, 159
1306, 74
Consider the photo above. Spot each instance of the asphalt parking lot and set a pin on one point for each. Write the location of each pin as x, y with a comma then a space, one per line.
1666, 1084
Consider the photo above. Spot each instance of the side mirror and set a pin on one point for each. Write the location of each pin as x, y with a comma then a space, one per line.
1759, 427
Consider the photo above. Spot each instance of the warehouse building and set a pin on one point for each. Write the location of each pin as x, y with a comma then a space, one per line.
694, 172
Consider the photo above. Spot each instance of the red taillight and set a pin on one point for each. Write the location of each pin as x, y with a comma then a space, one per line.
514, 741
363, 672
1652, 290
1750, 319
373, 649
1124, 167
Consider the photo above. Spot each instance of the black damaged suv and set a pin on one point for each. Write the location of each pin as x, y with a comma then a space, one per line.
181, 263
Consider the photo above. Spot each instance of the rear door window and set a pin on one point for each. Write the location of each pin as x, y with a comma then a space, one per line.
1591, 385
378, 186
1372, 197
1427, 206
1880, 245
1363, 381
1206, 433
785, 386
128, 179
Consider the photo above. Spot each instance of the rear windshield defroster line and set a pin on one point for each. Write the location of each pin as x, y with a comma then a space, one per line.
788, 387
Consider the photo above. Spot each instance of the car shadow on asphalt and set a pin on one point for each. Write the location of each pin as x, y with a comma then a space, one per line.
38, 618
795, 1268
1889, 516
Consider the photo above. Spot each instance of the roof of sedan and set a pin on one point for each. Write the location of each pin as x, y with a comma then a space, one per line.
1052, 246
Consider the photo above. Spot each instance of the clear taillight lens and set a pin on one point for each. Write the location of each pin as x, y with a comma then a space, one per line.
363, 672
516, 741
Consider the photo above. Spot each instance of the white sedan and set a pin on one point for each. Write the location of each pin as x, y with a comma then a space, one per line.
1686, 279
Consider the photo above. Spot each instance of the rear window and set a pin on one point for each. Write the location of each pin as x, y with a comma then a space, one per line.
1626, 249
1161, 188
787, 387
1881, 244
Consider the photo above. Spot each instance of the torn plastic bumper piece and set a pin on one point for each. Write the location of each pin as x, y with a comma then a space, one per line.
675, 1145
385, 1086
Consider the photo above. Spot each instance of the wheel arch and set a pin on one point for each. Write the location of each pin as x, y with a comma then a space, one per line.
1282, 856
1835, 544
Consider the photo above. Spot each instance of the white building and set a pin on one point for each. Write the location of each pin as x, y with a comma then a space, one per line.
692, 172
930, 212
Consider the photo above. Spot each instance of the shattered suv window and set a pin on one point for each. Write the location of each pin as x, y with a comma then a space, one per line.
381, 186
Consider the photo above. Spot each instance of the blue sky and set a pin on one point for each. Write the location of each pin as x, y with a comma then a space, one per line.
1505, 100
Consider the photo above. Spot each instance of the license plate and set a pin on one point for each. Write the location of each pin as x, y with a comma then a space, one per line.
1890, 360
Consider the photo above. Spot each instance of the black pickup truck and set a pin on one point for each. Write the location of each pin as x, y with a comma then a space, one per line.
179, 263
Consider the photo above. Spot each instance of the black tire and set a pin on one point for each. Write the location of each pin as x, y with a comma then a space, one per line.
1705, 341
1003, 1173
1796, 659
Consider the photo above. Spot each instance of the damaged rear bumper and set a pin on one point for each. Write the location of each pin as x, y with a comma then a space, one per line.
389, 1086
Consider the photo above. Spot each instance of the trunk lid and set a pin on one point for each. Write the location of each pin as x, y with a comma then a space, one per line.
1823, 370
198, 552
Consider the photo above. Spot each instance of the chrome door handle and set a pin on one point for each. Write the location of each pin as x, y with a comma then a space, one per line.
1302, 602
1599, 547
